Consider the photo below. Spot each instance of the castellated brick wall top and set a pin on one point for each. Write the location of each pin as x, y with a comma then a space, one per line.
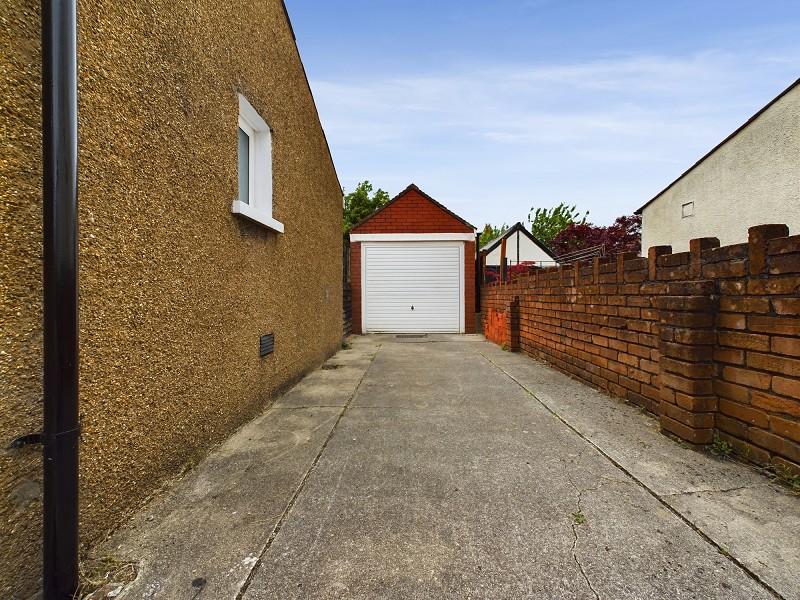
708, 339
413, 211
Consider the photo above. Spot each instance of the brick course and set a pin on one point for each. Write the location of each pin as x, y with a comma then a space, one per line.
707, 339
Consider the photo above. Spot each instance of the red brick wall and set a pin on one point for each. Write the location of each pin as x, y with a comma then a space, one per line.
469, 287
708, 339
411, 212
355, 282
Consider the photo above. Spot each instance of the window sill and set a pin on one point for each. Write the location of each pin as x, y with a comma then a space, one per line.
248, 212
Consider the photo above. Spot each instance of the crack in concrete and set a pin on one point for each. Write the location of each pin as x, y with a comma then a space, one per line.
658, 497
277, 529
751, 486
575, 526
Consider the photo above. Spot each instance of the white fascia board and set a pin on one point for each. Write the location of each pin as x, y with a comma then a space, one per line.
412, 237
240, 208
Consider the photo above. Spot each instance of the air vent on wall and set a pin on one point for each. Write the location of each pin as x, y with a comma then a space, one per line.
266, 344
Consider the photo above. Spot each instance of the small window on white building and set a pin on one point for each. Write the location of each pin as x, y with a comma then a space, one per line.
254, 200
687, 210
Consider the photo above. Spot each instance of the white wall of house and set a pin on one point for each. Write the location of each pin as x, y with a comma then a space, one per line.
752, 179
528, 251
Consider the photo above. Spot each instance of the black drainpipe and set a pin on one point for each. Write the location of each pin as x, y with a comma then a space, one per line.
60, 215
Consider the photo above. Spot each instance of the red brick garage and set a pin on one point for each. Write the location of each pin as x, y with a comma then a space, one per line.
412, 268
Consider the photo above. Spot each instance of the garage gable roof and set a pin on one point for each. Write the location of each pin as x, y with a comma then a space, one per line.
521, 228
405, 201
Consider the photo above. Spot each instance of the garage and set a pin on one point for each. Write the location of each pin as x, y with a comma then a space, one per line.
412, 268
413, 287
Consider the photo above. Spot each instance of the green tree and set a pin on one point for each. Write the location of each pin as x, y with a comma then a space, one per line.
490, 233
546, 224
361, 203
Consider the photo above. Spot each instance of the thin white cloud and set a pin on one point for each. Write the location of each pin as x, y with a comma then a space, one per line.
594, 119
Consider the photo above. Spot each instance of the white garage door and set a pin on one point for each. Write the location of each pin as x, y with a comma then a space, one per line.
413, 287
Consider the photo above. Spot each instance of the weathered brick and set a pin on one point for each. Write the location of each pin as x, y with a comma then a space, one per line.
747, 377
746, 449
785, 263
774, 285
744, 305
697, 437
730, 356
786, 386
784, 245
694, 320
653, 255
786, 306
696, 403
775, 443
758, 238
630, 312
734, 427
786, 345
649, 366
650, 391
695, 336
732, 287
618, 345
748, 341
673, 260
770, 362
692, 370
793, 468
691, 288
684, 303
776, 325
777, 404
696, 248
725, 253
731, 321
688, 353
638, 351
785, 427
735, 392
695, 420
724, 270
744, 413
643, 401
695, 387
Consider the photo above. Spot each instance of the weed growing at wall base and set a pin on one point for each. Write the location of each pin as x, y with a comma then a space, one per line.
785, 476
719, 448
104, 577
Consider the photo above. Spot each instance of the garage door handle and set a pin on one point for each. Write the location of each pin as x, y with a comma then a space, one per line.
412, 307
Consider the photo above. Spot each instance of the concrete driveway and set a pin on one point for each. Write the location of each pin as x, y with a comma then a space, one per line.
443, 467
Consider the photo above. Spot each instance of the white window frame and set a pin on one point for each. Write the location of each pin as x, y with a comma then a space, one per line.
259, 208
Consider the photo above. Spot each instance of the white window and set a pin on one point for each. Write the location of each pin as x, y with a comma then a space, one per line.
687, 210
255, 168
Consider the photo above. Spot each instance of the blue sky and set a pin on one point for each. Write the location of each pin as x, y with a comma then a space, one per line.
496, 107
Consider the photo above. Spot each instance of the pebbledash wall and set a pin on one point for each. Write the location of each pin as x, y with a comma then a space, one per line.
175, 290
708, 339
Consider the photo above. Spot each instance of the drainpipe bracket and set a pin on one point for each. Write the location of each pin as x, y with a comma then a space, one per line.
45, 440
25, 440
